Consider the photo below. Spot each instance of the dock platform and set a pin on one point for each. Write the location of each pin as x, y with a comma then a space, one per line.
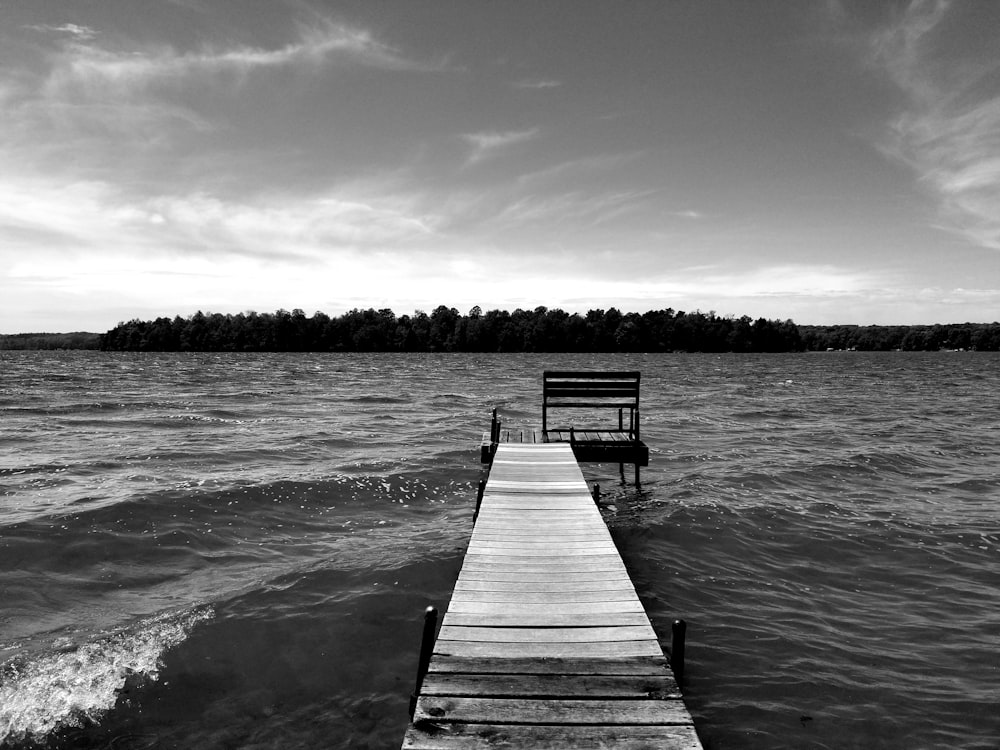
588, 393
545, 643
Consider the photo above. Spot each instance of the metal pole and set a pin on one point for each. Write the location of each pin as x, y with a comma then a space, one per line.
426, 648
679, 632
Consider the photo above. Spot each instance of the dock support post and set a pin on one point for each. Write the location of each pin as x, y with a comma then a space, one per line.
479, 499
597, 493
426, 648
679, 633
621, 426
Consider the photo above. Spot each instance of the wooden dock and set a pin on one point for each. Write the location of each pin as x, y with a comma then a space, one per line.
595, 392
545, 643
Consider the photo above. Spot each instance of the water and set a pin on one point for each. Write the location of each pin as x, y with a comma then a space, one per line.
222, 551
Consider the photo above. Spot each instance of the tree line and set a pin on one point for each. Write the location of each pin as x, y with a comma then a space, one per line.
984, 337
75, 340
538, 330
447, 330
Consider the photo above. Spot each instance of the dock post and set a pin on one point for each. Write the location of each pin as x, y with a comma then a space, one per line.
597, 493
621, 427
679, 633
479, 500
426, 648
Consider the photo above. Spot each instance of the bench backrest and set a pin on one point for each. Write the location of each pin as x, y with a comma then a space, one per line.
593, 390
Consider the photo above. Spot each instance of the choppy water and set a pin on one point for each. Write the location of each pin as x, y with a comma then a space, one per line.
222, 551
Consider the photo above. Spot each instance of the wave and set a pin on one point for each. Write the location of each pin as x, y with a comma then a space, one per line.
76, 684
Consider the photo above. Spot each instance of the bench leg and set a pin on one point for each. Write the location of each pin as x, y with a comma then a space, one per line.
637, 485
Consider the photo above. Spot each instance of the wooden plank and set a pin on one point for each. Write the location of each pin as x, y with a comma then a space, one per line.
507, 650
554, 586
430, 735
494, 518
599, 549
537, 597
529, 609
573, 665
499, 533
658, 686
501, 551
553, 711
548, 618
592, 374
547, 635
570, 575
598, 563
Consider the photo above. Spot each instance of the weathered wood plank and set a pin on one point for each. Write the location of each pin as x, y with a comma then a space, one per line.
529, 609
554, 547
637, 687
540, 597
559, 535
547, 618
553, 586
547, 650
502, 551
547, 635
431, 735
653, 665
539, 565
553, 711
575, 576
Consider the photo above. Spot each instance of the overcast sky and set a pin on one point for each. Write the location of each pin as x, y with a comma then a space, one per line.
829, 161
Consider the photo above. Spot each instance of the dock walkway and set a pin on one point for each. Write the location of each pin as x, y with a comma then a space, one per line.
545, 643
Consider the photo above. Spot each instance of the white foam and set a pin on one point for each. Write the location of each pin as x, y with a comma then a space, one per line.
62, 689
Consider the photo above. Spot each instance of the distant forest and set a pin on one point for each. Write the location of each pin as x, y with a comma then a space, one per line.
538, 330
77, 340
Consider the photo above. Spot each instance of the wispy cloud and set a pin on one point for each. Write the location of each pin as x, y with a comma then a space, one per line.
89, 64
76, 31
45, 218
487, 144
578, 207
537, 84
949, 131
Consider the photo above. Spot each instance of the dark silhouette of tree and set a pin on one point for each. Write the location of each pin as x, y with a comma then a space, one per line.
538, 330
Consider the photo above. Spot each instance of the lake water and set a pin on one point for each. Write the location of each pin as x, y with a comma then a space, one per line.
219, 551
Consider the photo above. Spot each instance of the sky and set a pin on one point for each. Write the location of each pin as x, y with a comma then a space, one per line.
827, 161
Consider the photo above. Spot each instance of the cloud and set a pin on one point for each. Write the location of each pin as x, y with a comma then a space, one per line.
76, 31
577, 207
487, 144
537, 84
45, 219
949, 130
80, 63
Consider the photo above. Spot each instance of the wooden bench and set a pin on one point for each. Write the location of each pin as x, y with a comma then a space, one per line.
596, 392
575, 410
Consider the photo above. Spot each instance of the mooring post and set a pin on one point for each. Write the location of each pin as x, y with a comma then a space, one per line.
597, 493
426, 649
679, 632
479, 499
